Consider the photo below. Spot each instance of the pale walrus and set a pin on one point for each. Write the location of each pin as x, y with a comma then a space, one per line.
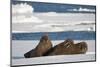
43, 46
68, 48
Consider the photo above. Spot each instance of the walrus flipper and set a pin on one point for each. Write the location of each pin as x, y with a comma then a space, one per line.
28, 54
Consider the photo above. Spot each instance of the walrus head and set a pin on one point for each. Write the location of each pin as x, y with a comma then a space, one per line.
81, 47
44, 38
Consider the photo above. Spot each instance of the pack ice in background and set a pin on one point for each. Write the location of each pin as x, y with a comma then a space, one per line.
32, 20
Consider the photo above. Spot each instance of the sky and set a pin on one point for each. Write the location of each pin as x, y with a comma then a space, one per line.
41, 16
56, 7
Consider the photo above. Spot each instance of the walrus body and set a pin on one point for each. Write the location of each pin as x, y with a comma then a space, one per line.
68, 47
62, 48
43, 46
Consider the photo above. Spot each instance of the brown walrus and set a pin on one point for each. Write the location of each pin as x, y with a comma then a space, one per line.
67, 48
43, 46
62, 48
81, 48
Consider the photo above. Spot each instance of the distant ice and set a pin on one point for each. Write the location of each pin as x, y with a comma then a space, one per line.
30, 27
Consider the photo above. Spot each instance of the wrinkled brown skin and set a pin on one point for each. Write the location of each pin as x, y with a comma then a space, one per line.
68, 48
62, 48
81, 48
43, 46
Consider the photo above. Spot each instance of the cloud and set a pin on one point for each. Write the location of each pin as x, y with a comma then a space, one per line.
24, 13
82, 9
50, 14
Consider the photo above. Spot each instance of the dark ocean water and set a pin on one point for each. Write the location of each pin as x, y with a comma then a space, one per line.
76, 35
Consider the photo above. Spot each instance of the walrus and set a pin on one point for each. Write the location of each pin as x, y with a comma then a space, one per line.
43, 46
68, 48
62, 48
